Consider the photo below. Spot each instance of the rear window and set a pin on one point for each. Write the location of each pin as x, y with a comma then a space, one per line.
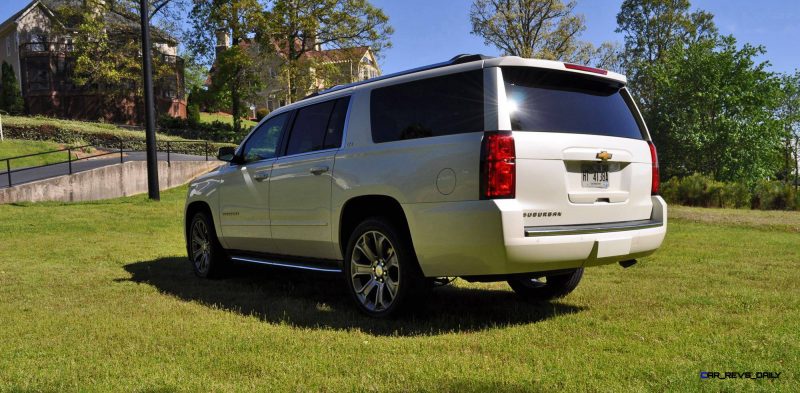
566, 102
444, 105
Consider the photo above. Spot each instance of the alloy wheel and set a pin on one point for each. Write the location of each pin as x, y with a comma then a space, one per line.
201, 246
375, 271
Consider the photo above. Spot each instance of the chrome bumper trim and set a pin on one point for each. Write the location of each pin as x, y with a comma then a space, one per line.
560, 230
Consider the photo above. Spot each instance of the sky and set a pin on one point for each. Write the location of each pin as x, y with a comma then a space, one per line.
431, 31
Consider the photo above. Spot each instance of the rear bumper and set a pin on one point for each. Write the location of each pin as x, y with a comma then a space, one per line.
479, 238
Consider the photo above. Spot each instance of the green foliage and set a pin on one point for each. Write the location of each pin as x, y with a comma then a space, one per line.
702, 190
261, 113
298, 26
104, 135
788, 114
193, 114
545, 29
10, 96
713, 112
216, 131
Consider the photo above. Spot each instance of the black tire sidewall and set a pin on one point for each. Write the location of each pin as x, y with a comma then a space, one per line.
218, 257
555, 287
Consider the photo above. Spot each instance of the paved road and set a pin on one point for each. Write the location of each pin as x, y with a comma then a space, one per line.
21, 175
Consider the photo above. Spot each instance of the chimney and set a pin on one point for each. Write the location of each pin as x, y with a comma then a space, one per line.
223, 40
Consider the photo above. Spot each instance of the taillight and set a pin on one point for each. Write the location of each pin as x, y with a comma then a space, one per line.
655, 183
585, 68
498, 168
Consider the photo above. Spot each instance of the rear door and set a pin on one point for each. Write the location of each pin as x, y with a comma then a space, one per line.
300, 185
581, 152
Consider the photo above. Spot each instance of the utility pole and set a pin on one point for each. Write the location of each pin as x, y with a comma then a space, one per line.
149, 110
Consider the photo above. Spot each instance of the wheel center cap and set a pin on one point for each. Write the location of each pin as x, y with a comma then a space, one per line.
379, 271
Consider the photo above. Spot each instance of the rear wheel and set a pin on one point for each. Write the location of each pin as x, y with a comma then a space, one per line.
547, 287
381, 268
205, 252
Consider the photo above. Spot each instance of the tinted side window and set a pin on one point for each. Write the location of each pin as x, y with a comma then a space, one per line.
566, 102
444, 105
263, 143
333, 134
308, 132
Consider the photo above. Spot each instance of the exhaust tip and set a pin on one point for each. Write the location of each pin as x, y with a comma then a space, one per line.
627, 263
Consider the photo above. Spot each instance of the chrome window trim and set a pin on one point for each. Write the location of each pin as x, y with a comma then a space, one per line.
582, 229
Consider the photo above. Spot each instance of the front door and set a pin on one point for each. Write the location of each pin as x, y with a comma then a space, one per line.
244, 192
300, 185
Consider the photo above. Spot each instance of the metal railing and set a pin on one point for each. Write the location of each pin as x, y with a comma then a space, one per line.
105, 151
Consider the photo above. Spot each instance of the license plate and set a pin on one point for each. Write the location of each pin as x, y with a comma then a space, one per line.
594, 175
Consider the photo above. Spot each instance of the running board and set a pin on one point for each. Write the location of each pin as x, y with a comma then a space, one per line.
288, 264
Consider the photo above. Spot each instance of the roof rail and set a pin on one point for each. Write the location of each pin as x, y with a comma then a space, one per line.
457, 59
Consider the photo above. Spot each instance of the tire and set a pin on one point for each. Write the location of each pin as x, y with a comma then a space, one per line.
553, 287
208, 258
380, 269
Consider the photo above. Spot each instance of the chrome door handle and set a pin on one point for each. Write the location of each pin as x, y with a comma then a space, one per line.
261, 176
318, 170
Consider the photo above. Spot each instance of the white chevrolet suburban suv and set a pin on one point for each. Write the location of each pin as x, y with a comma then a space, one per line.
488, 169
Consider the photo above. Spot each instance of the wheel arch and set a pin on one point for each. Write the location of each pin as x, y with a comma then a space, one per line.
357, 209
192, 209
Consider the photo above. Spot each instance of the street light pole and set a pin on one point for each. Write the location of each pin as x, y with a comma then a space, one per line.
149, 109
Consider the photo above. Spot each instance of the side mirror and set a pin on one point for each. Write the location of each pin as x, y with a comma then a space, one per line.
227, 154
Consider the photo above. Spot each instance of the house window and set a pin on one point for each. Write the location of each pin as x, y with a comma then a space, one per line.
8, 46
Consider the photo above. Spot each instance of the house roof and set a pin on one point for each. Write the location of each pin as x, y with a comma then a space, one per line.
121, 19
24, 11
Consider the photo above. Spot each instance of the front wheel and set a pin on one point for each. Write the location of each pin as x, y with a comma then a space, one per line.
380, 268
547, 287
205, 252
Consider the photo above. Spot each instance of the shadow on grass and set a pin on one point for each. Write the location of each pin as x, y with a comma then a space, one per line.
318, 300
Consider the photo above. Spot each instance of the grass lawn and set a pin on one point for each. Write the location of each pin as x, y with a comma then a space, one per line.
98, 297
206, 117
17, 147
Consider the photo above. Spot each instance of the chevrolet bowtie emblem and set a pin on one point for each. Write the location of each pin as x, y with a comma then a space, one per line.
604, 155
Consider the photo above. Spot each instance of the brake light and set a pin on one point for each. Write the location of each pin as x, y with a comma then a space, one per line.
585, 68
656, 182
498, 167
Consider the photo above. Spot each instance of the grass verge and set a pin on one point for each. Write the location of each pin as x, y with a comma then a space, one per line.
97, 296
17, 147
97, 134
207, 117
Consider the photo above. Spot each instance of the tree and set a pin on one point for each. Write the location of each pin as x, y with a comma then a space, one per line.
713, 111
105, 35
10, 99
546, 29
788, 114
236, 21
653, 27
296, 27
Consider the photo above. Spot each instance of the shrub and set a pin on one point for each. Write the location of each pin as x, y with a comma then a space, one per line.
216, 131
702, 190
105, 135
774, 195
193, 114
261, 113
10, 96
735, 195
